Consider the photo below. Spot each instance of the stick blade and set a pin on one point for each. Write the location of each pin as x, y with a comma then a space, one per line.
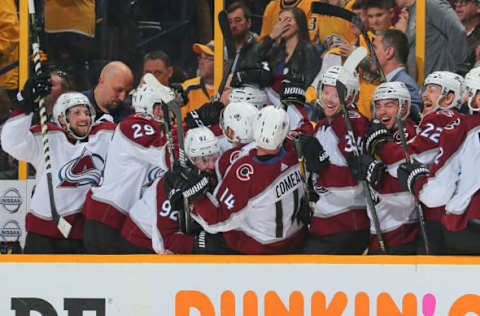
352, 62
64, 227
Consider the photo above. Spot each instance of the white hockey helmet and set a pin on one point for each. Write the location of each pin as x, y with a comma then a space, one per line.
472, 85
448, 82
239, 116
67, 101
329, 78
144, 99
250, 94
270, 127
394, 90
200, 142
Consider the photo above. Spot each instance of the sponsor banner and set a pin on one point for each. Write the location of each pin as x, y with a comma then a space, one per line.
14, 203
243, 286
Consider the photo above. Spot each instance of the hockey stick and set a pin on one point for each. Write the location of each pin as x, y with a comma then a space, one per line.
339, 12
173, 106
63, 226
168, 132
228, 40
345, 73
301, 162
418, 207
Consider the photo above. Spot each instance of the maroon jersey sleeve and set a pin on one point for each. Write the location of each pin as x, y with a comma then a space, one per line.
142, 130
427, 137
167, 224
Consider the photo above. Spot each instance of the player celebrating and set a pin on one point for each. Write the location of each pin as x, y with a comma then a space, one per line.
443, 93
395, 207
255, 203
155, 222
78, 148
339, 223
236, 122
138, 150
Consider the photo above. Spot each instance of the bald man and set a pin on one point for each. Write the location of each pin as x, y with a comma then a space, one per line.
108, 97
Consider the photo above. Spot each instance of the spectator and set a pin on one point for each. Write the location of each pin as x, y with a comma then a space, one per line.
158, 63
272, 12
468, 11
113, 87
247, 64
445, 39
294, 54
379, 14
9, 46
391, 47
200, 90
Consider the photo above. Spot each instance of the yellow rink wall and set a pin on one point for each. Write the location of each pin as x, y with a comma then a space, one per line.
294, 285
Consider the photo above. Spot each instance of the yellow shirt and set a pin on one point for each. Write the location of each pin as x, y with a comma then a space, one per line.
324, 26
198, 94
9, 43
272, 11
70, 16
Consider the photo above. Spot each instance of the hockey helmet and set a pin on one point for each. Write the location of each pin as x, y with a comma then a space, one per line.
394, 90
65, 102
238, 116
448, 82
249, 94
329, 78
200, 142
472, 84
270, 127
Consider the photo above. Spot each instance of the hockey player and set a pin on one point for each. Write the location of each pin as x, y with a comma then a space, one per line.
154, 222
254, 205
138, 150
452, 182
339, 224
78, 150
236, 122
395, 207
443, 93
472, 89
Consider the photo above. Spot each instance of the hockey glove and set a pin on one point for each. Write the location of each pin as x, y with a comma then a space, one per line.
292, 89
208, 114
408, 174
181, 97
376, 137
315, 156
304, 212
364, 167
213, 244
261, 75
185, 183
35, 89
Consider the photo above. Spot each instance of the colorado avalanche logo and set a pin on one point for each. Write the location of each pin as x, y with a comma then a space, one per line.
397, 138
83, 170
154, 174
234, 155
244, 171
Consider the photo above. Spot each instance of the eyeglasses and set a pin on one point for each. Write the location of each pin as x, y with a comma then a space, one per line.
464, 2
205, 57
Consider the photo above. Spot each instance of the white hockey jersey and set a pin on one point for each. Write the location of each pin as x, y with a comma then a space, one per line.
254, 205
341, 204
137, 155
76, 167
454, 180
